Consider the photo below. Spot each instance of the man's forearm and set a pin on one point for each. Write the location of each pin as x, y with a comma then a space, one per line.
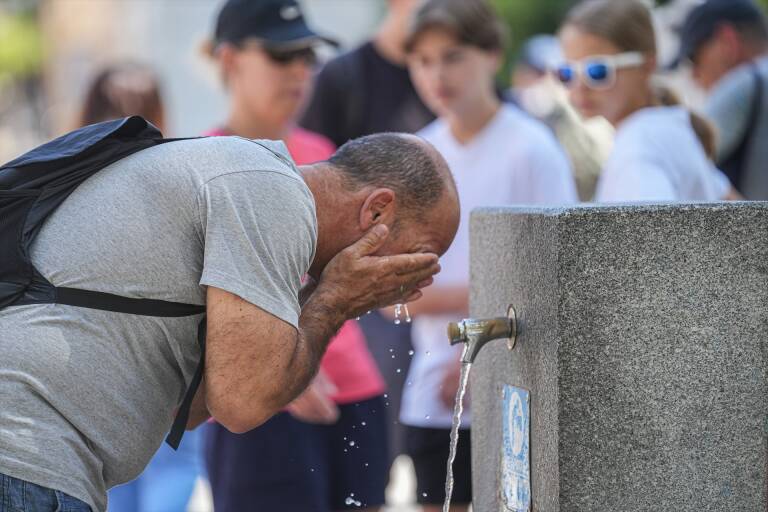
318, 324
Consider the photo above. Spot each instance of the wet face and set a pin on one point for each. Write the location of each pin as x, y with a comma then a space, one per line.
272, 86
448, 75
624, 94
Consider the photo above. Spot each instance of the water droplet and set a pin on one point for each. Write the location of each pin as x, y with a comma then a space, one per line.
362, 423
428, 352
409, 383
397, 321
410, 352
352, 443
391, 350
424, 494
312, 470
426, 417
366, 464
386, 395
393, 356
357, 318
407, 313
398, 370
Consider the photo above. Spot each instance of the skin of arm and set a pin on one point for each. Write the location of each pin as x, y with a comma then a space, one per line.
254, 354
199, 413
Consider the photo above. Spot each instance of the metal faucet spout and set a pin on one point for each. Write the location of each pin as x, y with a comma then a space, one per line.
476, 333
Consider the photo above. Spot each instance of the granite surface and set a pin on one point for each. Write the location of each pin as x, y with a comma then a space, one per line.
644, 345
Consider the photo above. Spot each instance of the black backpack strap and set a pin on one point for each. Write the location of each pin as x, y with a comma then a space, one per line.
182, 417
110, 302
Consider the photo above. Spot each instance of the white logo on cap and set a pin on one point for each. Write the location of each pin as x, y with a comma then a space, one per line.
290, 12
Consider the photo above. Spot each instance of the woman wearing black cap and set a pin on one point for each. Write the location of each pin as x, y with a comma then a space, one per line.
328, 450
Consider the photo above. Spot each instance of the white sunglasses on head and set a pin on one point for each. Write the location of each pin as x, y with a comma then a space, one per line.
598, 71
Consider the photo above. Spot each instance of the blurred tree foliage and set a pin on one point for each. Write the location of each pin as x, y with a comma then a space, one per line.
21, 49
526, 18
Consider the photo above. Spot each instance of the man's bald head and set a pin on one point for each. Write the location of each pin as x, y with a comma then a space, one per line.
407, 164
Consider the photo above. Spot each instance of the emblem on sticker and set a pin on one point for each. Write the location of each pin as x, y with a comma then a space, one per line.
515, 456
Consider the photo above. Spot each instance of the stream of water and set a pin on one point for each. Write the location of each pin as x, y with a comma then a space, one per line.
458, 408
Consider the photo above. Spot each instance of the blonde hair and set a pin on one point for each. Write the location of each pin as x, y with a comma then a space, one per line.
627, 24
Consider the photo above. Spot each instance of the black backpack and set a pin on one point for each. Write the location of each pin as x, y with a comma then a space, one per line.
34, 185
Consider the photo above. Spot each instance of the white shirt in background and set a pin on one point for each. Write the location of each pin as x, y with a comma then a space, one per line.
657, 157
513, 160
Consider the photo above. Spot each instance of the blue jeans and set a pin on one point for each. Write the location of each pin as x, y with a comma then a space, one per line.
20, 496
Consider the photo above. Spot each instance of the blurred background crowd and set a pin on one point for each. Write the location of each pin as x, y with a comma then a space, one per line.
548, 102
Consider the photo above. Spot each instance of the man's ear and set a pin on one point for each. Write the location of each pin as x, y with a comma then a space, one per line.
378, 208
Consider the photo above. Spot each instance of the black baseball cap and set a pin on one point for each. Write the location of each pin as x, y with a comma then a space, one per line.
278, 24
704, 19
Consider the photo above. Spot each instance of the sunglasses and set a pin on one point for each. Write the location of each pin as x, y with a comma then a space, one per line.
286, 57
599, 71
282, 57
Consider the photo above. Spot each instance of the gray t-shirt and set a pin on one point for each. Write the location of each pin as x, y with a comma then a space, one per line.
729, 107
87, 396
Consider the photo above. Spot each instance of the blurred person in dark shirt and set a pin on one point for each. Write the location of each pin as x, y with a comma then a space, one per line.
368, 90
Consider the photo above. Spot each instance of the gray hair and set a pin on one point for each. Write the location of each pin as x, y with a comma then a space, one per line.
411, 168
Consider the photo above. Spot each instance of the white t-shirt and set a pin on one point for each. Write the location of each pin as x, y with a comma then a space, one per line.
657, 157
513, 160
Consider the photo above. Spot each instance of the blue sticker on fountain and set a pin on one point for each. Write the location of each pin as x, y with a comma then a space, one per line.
515, 456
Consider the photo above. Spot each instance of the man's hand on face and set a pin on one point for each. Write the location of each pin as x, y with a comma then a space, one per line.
356, 281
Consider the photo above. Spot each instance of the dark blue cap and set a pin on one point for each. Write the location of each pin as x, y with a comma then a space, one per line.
277, 23
704, 19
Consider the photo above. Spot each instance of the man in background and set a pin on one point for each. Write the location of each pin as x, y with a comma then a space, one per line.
726, 42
